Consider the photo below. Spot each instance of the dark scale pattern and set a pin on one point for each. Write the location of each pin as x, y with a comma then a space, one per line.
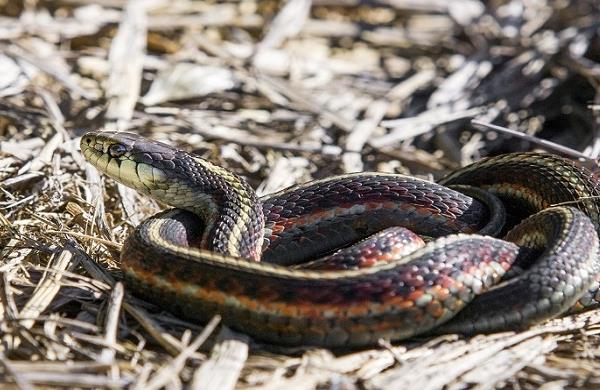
309, 221
279, 306
386, 246
530, 182
236, 201
568, 266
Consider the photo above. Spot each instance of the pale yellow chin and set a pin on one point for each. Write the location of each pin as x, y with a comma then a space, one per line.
91, 154
140, 176
151, 176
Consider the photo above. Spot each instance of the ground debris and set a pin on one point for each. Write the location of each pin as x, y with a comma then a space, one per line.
281, 93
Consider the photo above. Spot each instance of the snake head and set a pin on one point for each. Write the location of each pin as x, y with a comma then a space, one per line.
169, 175
132, 160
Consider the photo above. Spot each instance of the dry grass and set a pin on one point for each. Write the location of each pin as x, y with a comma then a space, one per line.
280, 94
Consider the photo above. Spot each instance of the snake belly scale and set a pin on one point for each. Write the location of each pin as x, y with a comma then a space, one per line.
223, 250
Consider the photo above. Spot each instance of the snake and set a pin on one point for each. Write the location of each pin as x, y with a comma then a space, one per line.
222, 249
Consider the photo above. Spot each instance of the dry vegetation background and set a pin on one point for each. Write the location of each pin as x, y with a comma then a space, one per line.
280, 92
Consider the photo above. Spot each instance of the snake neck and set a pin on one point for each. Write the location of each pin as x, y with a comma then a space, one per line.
235, 228
232, 213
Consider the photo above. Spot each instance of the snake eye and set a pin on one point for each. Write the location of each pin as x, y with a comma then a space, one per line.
117, 150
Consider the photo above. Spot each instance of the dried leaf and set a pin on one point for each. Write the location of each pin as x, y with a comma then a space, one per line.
185, 80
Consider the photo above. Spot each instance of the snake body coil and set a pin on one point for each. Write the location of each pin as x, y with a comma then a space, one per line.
202, 257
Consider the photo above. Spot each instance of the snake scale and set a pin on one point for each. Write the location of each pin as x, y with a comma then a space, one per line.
224, 250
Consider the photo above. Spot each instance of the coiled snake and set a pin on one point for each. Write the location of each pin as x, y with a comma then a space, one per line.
223, 250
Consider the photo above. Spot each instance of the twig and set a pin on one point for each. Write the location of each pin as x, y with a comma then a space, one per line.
164, 375
542, 143
126, 58
114, 245
222, 370
111, 327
